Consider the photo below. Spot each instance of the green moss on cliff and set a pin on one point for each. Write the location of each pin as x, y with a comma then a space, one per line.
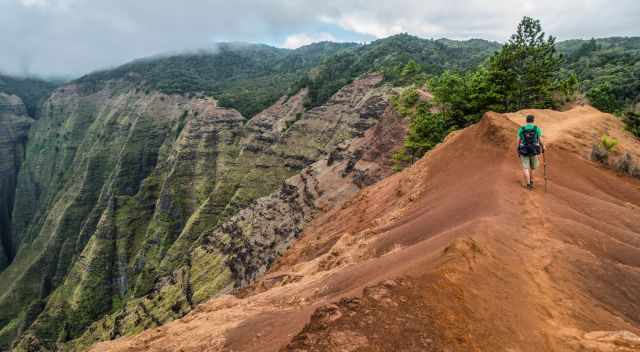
120, 215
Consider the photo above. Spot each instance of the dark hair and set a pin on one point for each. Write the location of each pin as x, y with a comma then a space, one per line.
530, 118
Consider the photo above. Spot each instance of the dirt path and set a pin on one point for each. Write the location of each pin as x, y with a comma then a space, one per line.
557, 126
538, 260
578, 129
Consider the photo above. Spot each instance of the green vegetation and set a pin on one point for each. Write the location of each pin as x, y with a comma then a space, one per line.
632, 120
136, 182
402, 58
523, 73
249, 77
32, 91
245, 77
181, 123
527, 72
609, 143
426, 129
608, 69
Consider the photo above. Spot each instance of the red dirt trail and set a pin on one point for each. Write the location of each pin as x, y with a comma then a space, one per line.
452, 254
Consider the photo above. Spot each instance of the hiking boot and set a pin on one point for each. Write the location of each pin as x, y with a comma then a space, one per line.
530, 186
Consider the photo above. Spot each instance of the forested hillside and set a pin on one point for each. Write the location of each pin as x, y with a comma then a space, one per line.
391, 56
250, 77
531, 70
608, 69
246, 77
32, 91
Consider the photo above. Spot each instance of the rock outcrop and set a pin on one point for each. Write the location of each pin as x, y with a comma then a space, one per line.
254, 238
14, 127
122, 191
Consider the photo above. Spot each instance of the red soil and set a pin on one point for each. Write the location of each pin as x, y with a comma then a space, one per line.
452, 254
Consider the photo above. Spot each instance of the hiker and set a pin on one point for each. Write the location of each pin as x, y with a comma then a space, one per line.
529, 147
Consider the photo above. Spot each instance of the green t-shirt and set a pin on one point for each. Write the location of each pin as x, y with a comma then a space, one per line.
528, 127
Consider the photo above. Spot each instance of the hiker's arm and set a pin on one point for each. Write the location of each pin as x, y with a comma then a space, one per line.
540, 139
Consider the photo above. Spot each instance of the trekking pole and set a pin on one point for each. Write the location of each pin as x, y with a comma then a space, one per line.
544, 161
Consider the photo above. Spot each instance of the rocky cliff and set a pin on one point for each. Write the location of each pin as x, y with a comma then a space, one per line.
14, 126
120, 201
245, 246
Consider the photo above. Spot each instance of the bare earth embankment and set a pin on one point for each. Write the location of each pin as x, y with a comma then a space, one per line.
452, 255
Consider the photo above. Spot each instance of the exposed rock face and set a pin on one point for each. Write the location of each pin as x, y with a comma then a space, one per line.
14, 127
259, 234
120, 194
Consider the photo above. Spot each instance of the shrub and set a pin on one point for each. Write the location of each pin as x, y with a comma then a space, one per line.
632, 121
602, 97
410, 97
627, 165
609, 143
599, 154
425, 132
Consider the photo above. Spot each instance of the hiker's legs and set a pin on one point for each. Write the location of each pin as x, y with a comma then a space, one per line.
526, 167
534, 162
527, 176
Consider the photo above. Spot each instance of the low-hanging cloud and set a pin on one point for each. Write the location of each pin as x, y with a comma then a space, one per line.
301, 39
71, 37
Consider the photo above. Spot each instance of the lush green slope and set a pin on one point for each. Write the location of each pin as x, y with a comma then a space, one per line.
249, 77
245, 77
32, 91
608, 68
390, 56
119, 185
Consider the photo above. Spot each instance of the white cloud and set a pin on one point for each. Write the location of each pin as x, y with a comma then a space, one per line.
34, 3
76, 36
364, 25
302, 39
490, 19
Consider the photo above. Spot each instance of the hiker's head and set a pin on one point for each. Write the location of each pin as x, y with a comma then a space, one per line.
530, 118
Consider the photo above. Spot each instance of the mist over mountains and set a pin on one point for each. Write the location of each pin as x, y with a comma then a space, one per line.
63, 38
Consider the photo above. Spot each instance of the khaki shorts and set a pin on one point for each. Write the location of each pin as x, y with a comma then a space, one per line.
530, 162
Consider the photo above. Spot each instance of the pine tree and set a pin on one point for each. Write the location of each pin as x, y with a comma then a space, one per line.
523, 72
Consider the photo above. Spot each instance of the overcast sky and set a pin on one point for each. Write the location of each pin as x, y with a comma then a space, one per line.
71, 37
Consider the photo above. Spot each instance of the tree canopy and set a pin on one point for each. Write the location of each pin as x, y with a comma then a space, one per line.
524, 71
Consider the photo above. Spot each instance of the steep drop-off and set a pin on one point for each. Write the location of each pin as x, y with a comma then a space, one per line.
14, 126
452, 254
121, 189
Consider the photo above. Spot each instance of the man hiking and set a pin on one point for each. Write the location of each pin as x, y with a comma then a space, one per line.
529, 147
